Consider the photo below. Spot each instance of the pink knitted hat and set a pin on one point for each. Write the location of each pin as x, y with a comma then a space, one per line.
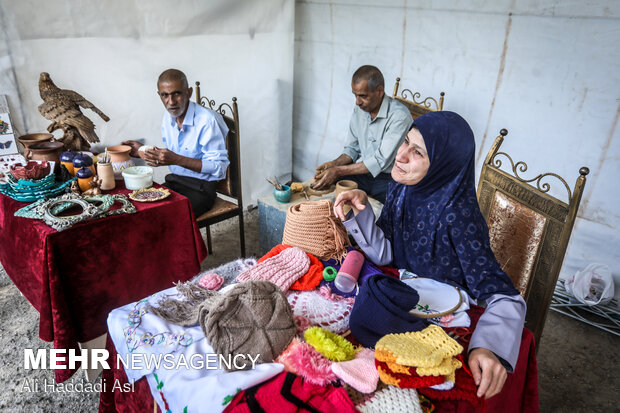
359, 373
282, 269
302, 359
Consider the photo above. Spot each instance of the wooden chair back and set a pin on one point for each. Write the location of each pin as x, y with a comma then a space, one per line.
528, 228
417, 107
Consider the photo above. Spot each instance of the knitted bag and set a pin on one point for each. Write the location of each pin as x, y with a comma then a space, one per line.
313, 227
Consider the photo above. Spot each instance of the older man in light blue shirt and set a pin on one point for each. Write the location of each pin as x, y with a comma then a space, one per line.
195, 143
377, 128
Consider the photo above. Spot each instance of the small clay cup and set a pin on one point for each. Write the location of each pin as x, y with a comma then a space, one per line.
284, 195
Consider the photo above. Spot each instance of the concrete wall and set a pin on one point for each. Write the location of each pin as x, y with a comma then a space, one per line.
112, 52
548, 71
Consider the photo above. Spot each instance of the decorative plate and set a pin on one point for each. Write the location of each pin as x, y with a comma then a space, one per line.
437, 299
149, 194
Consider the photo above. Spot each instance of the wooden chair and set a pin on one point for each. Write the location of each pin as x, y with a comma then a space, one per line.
417, 108
528, 228
231, 185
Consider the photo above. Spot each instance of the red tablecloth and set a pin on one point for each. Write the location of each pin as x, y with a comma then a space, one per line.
519, 394
75, 277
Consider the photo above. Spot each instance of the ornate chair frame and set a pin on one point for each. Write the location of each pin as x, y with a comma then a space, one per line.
231, 185
415, 106
529, 229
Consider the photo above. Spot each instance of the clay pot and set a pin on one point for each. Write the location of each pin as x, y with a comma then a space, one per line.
66, 158
120, 159
343, 186
46, 151
33, 138
82, 160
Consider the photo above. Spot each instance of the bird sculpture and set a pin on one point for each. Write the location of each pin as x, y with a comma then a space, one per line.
62, 107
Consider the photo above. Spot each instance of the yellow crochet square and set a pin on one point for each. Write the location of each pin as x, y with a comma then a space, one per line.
446, 367
426, 348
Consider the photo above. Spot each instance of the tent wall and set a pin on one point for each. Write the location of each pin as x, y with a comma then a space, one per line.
112, 52
548, 71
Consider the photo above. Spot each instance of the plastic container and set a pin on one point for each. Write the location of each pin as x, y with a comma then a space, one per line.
138, 177
346, 280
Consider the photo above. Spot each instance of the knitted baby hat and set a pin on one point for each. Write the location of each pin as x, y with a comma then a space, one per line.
322, 310
282, 269
251, 318
311, 279
426, 348
359, 373
313, 227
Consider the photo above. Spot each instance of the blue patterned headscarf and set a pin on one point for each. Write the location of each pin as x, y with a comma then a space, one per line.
435, 226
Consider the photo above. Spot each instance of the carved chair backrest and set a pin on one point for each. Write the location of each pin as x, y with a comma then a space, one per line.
528, 228
415, 106
231, 185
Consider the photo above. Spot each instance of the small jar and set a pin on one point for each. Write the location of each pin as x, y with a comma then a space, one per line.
66, 159
106, 173
82, 160
85, 176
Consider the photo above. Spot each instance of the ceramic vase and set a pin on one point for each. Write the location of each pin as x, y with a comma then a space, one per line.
106, 173
120, 159
85, 176
46, 151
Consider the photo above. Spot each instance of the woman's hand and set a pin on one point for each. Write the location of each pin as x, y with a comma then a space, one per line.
356, 198
488, 372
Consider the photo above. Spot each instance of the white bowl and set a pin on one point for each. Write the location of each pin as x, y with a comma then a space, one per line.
138, 177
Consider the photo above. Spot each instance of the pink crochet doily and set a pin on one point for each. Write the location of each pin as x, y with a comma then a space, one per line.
322, 309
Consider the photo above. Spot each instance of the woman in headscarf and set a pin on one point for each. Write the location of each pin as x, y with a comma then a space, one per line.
431, 225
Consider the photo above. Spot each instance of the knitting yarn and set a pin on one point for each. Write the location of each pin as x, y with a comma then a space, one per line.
282, 269
332, 346
329, 274
359, 373
251, 318
211, 281
313, 227
426, 348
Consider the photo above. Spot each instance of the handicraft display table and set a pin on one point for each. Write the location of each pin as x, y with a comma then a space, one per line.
75, 277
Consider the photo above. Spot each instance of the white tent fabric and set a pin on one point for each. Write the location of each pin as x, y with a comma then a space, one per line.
548, 71
112, 52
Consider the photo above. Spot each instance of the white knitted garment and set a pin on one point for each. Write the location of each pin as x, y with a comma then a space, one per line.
392, 399
321, 311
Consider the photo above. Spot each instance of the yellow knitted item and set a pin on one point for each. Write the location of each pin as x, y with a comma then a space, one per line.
387, 378
426, 348
313, 227
332, 346
445, 368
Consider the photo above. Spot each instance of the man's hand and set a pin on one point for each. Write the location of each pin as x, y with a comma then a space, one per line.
488, 372
160, 157
325, 178
324, 166
356, 198
134, 147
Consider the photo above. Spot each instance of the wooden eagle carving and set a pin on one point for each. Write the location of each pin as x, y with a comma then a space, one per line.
62, 107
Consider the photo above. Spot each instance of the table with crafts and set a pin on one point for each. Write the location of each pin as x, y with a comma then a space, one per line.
307, 374
75, 277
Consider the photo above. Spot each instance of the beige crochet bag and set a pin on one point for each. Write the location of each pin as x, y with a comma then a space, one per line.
313, 227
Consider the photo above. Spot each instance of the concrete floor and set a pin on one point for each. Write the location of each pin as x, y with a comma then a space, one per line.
578, 364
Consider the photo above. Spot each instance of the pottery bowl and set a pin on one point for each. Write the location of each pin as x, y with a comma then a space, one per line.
284, 195
138, 177
32, 170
